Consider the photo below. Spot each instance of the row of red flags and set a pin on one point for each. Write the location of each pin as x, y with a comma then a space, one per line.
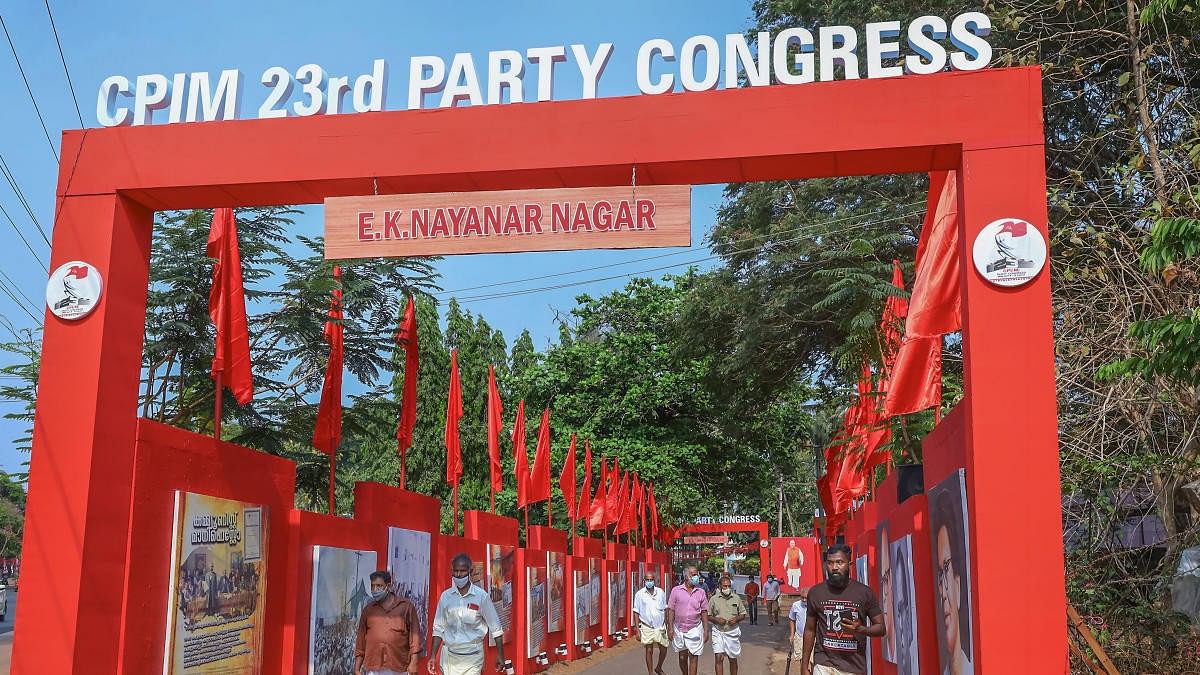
910, 376
621, 499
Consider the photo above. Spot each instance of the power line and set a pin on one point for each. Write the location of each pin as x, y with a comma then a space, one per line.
12, 182
528, 291
63, 58
23, 239
29, 89
17, 301
444, 294
33, 305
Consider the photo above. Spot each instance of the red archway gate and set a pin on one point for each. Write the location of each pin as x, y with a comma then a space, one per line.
986, 124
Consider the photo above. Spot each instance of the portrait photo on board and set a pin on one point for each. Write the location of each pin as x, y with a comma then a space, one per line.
952, 573
883, 563
904, 607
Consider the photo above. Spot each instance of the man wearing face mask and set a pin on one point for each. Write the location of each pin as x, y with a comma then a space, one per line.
687, 621
389, 633
771, 597
835, 625
649, 615
465, 614
726, 611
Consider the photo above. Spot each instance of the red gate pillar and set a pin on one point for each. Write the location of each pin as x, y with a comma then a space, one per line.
81, 475
1012, 443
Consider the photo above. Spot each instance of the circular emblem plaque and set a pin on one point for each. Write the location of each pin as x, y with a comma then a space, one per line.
73, 290
1009, 252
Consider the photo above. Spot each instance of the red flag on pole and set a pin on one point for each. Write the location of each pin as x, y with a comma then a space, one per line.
640, 498
406, 338
622, 492
916, 379
521, 463
327, 433
454, 412
227, 309
597, 519
495, 422
612, 503
566, 481
539, 477
584, 507
934, 305
655, 523
628, 518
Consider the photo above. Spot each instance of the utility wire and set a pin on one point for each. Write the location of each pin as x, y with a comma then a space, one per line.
23, 239
445, 294
33, 305
29, 89
11, 293
12, 182
63, 58
804, 229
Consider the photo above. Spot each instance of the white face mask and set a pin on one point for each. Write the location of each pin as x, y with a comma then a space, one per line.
461, 582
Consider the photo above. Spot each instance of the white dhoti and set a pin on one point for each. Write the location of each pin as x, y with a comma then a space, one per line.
462, 663
691, 640
728, 643
652, 636
793, 576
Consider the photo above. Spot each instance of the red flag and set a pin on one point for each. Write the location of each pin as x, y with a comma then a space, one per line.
539, 479
622, 491
566, 480
916, 379
227, 308
639, 498
521, 465
495, 423
628, 519
655, 523
895, 309
406, 338
454, 412
934, 305
597, 519
583, 509
327, 434
613, 504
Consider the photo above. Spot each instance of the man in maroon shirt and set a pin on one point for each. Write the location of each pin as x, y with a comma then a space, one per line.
389, 633
836, 625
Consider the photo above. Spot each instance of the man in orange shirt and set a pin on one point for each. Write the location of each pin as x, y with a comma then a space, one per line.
751, 592
389, 633
793, 564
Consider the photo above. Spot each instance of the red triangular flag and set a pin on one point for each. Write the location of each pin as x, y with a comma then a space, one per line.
227, 308
655, 523
521, 465
628, 519
622, 503
566, 480
495, 423
934, 305
539, 477
583, 508
613, 501
454, 412
597, 518
327, 434
406, 338
639, 499
916, 379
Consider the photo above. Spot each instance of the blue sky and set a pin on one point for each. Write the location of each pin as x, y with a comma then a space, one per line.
134, 38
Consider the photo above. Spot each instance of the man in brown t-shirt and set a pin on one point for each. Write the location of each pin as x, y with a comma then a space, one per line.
835, 626
389, 632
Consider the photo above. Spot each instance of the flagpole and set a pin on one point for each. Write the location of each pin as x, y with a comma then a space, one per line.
455, 529
217, 405
403, 466
550, 512
493, 500
526, 511
332, 483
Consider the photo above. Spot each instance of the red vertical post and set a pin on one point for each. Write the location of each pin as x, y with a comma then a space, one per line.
1011, 423
332, 481
217, 404
454, 530
82, 464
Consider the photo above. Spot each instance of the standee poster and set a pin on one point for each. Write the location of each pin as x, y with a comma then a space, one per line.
535, 610
501, 572
583, 603
218, 572
408, 561
952, 571
341, 589
554, 607
795, 562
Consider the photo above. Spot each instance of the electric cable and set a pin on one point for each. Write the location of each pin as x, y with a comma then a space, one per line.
23, 239
29, 89
12, 182
63, 58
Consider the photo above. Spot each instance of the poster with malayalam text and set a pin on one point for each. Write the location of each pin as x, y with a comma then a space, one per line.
556, 571
535, 609
500, 584
341, 589
218, 571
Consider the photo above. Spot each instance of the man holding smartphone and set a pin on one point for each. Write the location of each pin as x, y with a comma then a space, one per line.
837, 626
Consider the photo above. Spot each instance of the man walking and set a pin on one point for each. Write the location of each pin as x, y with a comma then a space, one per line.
771, 596
465, 614
836, 627
797, 618
726, 611
649, 615
389, 636
751, 593
687, 621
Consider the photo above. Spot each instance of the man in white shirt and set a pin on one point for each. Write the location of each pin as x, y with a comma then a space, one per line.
650, 616
771, 595
465, 614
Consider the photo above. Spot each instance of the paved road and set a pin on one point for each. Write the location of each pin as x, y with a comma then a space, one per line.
763, 651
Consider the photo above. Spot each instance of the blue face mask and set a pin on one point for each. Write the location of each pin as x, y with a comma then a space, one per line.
695, 579
649, 585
